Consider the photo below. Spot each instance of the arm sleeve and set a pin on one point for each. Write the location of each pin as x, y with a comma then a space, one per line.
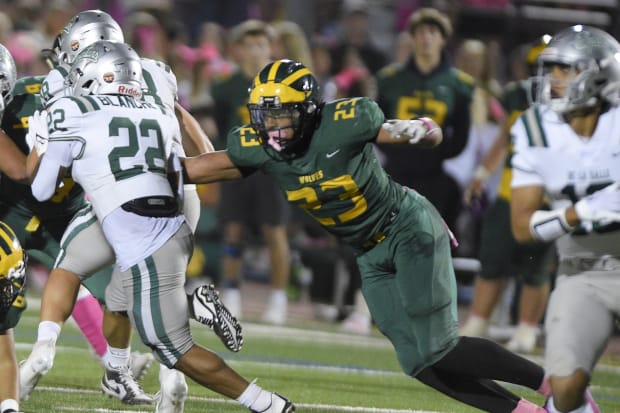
58, 154
456, 134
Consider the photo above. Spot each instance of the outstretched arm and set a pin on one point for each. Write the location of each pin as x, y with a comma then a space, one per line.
195, 140
210, 167
421, 132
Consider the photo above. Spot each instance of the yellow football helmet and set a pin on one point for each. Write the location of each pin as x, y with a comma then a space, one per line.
12, 268
285, 88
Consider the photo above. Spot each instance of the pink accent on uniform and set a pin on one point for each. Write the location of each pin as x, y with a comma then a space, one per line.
88, 315
590, 402
525, 406
545, 387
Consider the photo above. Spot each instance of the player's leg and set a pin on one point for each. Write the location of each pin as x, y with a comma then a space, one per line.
74, 264
272, 213
166, 329
579, 322
416, 310
536, 264
497, 247
232, 210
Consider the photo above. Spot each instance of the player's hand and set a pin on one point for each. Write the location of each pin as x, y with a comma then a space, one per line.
38, 133
413, 129
602, 205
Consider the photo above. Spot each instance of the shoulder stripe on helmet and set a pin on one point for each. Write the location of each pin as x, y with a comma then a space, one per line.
273, 71
296, 75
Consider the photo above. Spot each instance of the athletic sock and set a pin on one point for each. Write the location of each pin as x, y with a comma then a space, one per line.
88, 315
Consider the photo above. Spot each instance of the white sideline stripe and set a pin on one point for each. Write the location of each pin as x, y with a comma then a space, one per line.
327, 407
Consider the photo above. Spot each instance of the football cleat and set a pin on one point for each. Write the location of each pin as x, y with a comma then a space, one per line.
38, 363
171, 397
356, 323
523, 340
207, 309
278, 404
119, 383
140, 363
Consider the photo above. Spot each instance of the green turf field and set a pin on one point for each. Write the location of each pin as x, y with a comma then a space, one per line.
313, 365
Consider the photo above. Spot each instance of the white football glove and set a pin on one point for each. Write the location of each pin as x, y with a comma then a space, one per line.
602, 205
414, 129
38, 133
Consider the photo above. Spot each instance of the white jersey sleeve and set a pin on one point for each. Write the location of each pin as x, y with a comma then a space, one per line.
159, 83
523, 161
53, 86
59, 154
159, 86
123, 155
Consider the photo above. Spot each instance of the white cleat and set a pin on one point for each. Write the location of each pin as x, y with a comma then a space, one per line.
38, 363
475, 327
523, 340
356, 323
140, 363
173, 392
120, 384
278, 404
276, 311
231, 297
207, 308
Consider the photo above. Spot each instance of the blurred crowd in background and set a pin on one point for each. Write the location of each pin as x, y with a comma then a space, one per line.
346, 43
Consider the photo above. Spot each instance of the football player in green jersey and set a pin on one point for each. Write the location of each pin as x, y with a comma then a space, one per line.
321, 156
428, 85
12, 257
12, 305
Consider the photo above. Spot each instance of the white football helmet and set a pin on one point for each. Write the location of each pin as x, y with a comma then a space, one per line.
84, 29
8, 76
106, 68
595, 57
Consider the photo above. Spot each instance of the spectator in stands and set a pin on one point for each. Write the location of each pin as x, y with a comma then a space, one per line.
255, 203
500, 255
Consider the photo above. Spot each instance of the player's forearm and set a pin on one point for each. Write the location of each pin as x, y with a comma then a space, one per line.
32, 165
12, 160
193, 135
210, 167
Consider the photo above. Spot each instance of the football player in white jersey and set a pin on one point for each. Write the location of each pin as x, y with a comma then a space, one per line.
159, 85
566, 149
124, 172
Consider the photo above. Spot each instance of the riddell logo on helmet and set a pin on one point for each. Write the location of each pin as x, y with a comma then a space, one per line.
130, 91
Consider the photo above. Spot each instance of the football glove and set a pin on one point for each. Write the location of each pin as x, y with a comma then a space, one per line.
414, 129
602, 205
38, 133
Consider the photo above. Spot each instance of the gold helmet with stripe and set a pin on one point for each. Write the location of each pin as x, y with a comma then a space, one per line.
12, 268
284, 89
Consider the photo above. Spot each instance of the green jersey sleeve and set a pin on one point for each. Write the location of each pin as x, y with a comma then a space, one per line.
245, 149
